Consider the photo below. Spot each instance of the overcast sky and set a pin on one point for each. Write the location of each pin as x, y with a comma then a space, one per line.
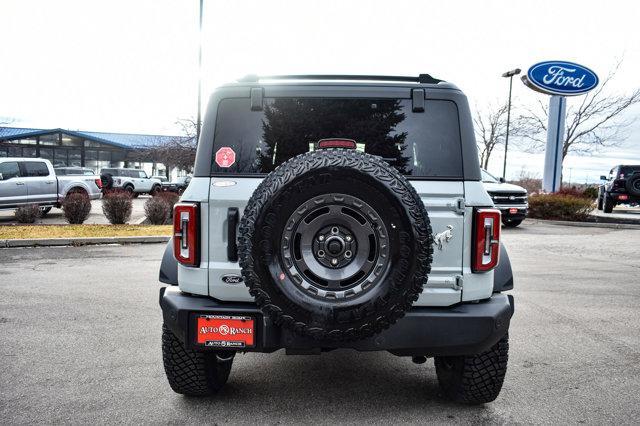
131, 66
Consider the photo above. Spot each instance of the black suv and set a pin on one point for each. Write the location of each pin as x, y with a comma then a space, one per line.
621, 187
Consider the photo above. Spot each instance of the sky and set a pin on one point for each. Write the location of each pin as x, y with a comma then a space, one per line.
131, 66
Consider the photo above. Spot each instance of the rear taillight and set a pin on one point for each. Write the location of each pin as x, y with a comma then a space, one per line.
337, 143
486, 237
186, 243
98, 183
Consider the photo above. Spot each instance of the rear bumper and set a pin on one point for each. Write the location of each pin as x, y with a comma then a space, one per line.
462, 329
513, 212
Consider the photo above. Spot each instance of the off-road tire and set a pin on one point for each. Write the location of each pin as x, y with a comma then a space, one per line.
307, 177
632, 186
155, 190
474, 379
193, 373
599, 204
608, 204
511, 223
107, 182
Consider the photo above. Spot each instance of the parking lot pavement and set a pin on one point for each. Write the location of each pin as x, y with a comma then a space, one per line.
56, 216
80, 342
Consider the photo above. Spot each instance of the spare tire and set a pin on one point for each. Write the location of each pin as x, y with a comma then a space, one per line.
633, 184
107, 181
335, 244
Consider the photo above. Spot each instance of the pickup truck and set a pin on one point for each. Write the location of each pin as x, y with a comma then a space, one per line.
34, 181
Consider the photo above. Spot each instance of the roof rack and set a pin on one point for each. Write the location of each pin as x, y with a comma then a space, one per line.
422, 78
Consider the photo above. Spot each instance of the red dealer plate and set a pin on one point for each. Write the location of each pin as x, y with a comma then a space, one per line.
513, 211
225, 331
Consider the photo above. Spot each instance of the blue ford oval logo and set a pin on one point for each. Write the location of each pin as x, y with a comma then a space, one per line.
560, 78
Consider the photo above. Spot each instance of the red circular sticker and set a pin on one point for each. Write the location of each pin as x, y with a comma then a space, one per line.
225, 157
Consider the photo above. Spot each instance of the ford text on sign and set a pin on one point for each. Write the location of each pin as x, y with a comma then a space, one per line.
561, 78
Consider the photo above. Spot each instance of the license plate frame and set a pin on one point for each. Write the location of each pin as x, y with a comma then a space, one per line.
225, 331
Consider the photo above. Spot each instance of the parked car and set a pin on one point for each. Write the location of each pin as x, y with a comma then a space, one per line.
162, 179
178, 186
64, 171
622, 186
34, 181
325, 215
134, 181
512, 200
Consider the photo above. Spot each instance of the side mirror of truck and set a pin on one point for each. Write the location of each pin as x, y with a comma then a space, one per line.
501, 179
1, 177
603, 177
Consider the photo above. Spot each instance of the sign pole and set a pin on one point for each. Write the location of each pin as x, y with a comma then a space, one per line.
552, 177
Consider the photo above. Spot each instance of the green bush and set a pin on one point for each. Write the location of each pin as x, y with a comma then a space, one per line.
590, 192
559, 207
76, 207
28, 213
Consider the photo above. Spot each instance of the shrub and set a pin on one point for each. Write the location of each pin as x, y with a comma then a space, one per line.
559, 207
76, 207
590, 192
116, 206
28, 213
157, 210
171, 198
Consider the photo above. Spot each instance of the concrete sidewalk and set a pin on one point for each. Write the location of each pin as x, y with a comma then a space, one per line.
620, 214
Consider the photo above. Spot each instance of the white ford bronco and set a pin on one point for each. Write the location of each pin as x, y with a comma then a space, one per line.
337, 212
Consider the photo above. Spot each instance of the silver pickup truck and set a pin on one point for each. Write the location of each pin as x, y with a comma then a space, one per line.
34, 181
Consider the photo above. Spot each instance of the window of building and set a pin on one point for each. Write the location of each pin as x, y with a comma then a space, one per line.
68, 140
52, 139
75, 158
46, 153
60, 157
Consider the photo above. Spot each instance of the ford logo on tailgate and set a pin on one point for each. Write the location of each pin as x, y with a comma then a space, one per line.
232, 279
560, 78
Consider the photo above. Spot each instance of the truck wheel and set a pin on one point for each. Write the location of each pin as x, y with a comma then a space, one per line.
193, 373
335, 244
608, 204
599, 202
511, 223
129, 190
107, 182
633, 185
155, 190
474, 379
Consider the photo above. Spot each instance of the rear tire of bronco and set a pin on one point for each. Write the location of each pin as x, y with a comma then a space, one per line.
608, 204
193, 373
599, 206
474, 379
511, 223
335, 245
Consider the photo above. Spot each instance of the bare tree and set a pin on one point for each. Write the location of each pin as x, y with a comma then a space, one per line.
491, 128
596, 123
175, 152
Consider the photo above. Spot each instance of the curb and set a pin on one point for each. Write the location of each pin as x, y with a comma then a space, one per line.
52, 242
585, 224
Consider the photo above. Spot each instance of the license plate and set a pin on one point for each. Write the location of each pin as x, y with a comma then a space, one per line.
513, 211
225, 331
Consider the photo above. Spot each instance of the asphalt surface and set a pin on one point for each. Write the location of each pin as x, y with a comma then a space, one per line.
80, 343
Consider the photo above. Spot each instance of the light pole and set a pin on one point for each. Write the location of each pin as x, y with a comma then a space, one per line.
510, 75
199, 118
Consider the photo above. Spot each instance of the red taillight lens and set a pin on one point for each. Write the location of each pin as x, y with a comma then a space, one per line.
623, 197
486, 237
99, 183
185, 234
337, 143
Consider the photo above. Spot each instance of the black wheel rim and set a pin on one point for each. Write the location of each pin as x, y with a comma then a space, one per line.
335, 246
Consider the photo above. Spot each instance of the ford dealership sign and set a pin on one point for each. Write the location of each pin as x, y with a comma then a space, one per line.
560, 78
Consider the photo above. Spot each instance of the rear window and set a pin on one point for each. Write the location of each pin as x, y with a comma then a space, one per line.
628, 171
423, 144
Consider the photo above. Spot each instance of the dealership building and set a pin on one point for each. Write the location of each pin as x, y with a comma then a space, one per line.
95, 150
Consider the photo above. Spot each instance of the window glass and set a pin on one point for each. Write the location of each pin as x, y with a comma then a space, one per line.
14, 151
142, 174
29, 151
36, 168
46, 153
9, 170
75, 158
60, 157
417, 144
488, 177
49, 139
